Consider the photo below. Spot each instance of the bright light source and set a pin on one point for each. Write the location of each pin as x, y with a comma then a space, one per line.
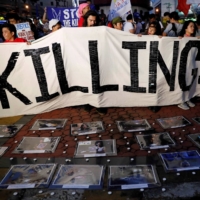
26, 6
157, 9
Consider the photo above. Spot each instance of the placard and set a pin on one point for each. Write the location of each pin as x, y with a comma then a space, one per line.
133, 125
155, 141
132, 177
79, 177
10, 130
96, 148
28, 176
31, 145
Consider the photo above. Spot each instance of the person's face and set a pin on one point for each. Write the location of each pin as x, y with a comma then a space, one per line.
12, 21
91, 20
7, 34
118, 26
151, 30
56, 27
85, 9
88, 2
152, 19
190, 29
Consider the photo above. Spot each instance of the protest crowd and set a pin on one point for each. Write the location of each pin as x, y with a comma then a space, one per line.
89, 16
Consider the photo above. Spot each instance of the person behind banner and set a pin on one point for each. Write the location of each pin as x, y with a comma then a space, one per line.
189, 29
152, 18
91, 18
54, 25
13, 18
10, 33
174, 27
128, 25
117, 23
82, 10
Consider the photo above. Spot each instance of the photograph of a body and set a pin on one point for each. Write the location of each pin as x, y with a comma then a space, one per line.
9, 130
133, 125
138, 176
181, 161
72, 176
37, 145
35, 175
155, 140
86, 128
49, 124
96, 148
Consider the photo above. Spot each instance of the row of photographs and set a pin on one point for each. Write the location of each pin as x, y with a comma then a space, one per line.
97, 126
91, 176
95, 148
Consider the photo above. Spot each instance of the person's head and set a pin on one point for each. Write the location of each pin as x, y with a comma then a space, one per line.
152, 18
9, 32
117, 23
35, 20
166, 14
90, 19
54, 25
13, 18
88, 2
83, 9
129, 18
99, 143
174, 17
152, 29
189, 29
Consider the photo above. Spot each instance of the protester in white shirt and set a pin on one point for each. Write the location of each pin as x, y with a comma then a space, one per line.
128, 25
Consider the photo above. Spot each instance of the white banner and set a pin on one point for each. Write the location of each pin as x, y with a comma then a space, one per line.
99, 66
119, 8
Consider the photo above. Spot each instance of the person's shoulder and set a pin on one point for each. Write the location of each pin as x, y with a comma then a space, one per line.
19, 40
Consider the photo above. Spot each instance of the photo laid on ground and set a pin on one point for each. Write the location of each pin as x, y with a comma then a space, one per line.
181, 161
28, 176
37, 145
96, 148
9, 130
3, 150
173, 122
87, 128
195, 138
196, 119
49, 124
79, 177
132, 177
155, 141
133, 125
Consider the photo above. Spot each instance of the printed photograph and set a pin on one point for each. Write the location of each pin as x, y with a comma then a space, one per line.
86, 128
132, 177
37, 145
195, 138
3, 150
196, 119
95, 148
28, 176
173, 122
9, 130
78, 176
49, 124
181, 161
155, 140
133, 125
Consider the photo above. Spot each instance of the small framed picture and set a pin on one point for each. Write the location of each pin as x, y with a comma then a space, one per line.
96, 148
155, 141
28, 176
195, 138
79, 177
87, 128
173, 122
37, 145
181, 161
132, 177
133, 125
10, 130
49, 124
